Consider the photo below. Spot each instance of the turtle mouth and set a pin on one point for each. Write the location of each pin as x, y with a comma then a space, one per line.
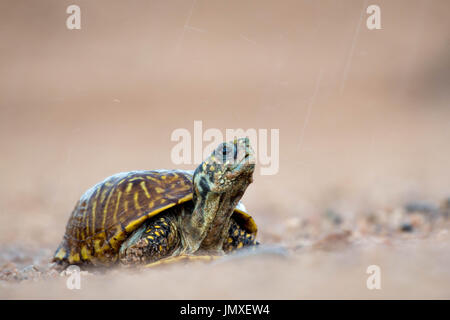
245, 165
249, 159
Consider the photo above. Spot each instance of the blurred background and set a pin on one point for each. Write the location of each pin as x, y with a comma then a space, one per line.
363, 115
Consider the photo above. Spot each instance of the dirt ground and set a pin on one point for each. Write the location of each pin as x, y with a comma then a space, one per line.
364, 151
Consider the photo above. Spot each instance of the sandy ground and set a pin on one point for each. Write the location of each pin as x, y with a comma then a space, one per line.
364, 124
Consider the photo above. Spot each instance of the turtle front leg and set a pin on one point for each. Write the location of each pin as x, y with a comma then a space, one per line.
154, 240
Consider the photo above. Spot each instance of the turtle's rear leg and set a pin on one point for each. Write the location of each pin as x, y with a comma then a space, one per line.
154, 240
238, 238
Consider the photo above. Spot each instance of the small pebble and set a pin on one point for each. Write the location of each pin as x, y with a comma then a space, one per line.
406, 227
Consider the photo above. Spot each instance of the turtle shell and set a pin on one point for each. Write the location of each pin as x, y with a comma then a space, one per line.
112, 209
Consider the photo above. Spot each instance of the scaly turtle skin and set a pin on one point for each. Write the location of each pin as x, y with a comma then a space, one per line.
143, 216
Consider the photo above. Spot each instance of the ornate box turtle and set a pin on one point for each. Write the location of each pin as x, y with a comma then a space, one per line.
140, 217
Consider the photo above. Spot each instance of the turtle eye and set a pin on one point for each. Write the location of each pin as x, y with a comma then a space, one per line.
225, 151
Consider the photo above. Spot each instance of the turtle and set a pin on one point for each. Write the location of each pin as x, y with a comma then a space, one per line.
141, 217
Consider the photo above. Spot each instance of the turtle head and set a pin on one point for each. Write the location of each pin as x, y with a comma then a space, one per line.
229, 168
219, 183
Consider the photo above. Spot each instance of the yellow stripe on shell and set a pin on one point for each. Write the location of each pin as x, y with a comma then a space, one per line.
144, 187
159, 190
93, 213
97, 245
117, 239
136, 201
85, 253
105, 210
136, 179
129, 187
74, 257
103, 196
119, 194
152, 178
